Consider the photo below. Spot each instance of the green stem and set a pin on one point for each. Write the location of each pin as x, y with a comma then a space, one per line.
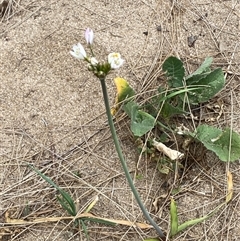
123, 162
93, 55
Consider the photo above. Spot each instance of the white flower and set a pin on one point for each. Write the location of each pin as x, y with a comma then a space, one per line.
89, 36
78, 51
115, 60
93, 61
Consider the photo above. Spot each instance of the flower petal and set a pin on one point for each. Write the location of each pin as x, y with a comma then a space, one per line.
115, 60
78, 51
89, 36
93, 61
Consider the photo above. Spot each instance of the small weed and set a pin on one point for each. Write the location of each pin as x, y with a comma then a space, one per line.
182, 93
68, 204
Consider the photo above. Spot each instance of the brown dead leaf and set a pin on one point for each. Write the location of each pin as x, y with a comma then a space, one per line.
230, 187
83, 215
172, 154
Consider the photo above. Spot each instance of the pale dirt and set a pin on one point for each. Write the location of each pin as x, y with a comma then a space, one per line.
52, 114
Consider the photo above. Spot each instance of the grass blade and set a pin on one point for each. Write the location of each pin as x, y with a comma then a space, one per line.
198, 220
66, 201
174, 218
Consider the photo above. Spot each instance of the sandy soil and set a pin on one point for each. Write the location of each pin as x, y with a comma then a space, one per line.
52, 114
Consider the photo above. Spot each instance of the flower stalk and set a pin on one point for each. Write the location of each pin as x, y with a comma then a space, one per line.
101, 70
123, 162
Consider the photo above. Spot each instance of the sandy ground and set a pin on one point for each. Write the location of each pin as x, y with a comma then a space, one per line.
52, 113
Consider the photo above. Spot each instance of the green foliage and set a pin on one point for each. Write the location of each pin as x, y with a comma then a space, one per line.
225, 143
68, 204
164, 165
174, 225
169, 110
174, 71
139, 176
163, 101
198, 87
141, 122
210, 84
204, 68
174, 218
64, 199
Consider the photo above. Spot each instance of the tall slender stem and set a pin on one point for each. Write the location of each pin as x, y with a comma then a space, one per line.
123, 162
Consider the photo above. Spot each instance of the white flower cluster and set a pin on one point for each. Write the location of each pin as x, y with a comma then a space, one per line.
114, 59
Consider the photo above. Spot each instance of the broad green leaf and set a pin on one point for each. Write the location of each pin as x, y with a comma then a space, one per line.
226, 143
164, 102
178, 92
174, 71
128, 108
124, 92
168, 110
211, 85
141, 122
195, 79
205, 67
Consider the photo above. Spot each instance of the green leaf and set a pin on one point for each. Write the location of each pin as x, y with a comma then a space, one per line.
66, 206
226, 143
192, 222
84, 229
129, 107
175, 228
211, 85
205, 67
178, 92
174, 71
195, 79
174, 218
163, 169
199, 220
164, 101
66, 202
141, 122
168, 110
